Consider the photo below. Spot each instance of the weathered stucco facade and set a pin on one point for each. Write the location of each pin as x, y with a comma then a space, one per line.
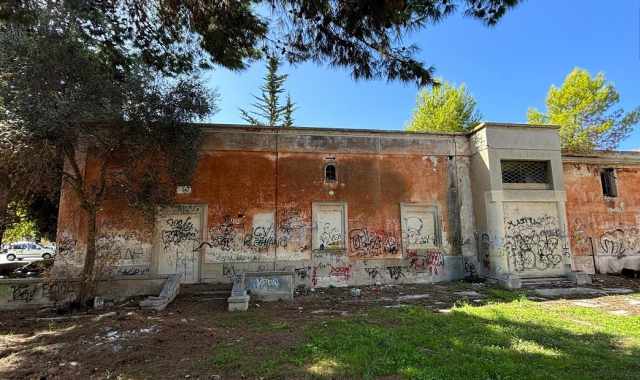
356, 207
604, 228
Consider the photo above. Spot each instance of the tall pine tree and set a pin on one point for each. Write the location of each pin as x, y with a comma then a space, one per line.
268, 110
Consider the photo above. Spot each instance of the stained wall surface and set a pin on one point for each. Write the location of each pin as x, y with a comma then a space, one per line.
603, 229
399, 210
349, 207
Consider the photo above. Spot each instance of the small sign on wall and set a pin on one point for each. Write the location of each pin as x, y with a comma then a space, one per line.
183, 190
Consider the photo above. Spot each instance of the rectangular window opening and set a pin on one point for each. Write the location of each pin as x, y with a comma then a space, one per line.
526, 174
608, 179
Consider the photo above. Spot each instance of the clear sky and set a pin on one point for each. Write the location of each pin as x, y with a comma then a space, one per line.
508, 68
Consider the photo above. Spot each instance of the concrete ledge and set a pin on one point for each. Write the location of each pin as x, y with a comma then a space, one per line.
270, 286
27, 293
580, 278
170, 290
238, 303
510, 282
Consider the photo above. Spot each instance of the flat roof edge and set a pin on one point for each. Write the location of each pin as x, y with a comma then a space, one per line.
254, 128
486, 124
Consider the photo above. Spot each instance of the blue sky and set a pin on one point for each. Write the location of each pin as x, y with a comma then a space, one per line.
508, 68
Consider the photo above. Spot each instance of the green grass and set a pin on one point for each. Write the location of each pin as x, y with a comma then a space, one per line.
510, 338
517, 340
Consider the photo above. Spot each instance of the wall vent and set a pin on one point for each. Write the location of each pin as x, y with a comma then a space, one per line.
521, 171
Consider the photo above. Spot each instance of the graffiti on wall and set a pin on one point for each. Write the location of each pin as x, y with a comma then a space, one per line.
620, 242
416, 233
178, 231
329, 268
533, 243
292, 229
179, 238
66, 245
330, 237
373, 273
234, 240
396, 272
430, 261
125, 253
369, 243
41, 291
483, 246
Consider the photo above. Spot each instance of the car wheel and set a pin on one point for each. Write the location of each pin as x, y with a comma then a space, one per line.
11, 257
46, 256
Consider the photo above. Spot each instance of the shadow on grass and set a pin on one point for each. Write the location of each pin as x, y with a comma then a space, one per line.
510, 338
519, 340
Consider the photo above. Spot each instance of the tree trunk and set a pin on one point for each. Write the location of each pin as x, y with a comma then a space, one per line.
87, 281
4, 204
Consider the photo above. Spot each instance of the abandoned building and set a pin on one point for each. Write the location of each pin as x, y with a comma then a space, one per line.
338, 207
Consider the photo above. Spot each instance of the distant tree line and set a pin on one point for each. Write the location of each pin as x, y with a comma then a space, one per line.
585, 108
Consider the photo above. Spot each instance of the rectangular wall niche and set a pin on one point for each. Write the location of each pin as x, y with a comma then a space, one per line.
419, 224
329, 225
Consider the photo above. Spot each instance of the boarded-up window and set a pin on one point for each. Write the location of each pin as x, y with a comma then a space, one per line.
329, 225
419, 226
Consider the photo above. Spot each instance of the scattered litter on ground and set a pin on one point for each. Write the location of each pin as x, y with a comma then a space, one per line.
618, 290
469, 293
563, 292
325, 311
585, 303
105, 315
409, 297
620, 312
138, 342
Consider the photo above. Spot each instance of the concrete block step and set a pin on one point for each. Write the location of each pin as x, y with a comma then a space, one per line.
206, 289
208, 293
547, 281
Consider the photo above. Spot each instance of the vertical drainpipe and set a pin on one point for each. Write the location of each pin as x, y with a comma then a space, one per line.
275, 214
453, 203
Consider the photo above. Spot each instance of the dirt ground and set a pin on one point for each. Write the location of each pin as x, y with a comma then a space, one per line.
180, 342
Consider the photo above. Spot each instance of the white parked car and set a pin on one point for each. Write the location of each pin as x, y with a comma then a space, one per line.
28, 250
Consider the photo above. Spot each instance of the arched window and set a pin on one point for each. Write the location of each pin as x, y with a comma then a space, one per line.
330, 173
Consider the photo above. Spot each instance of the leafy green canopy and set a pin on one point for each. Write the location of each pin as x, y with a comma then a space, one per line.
268, 109
177, 36
444, 108
585, 108
132, 125
62, 92
23, 229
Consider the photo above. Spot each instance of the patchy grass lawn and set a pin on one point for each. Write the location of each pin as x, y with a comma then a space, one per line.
516, 340
449, 331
